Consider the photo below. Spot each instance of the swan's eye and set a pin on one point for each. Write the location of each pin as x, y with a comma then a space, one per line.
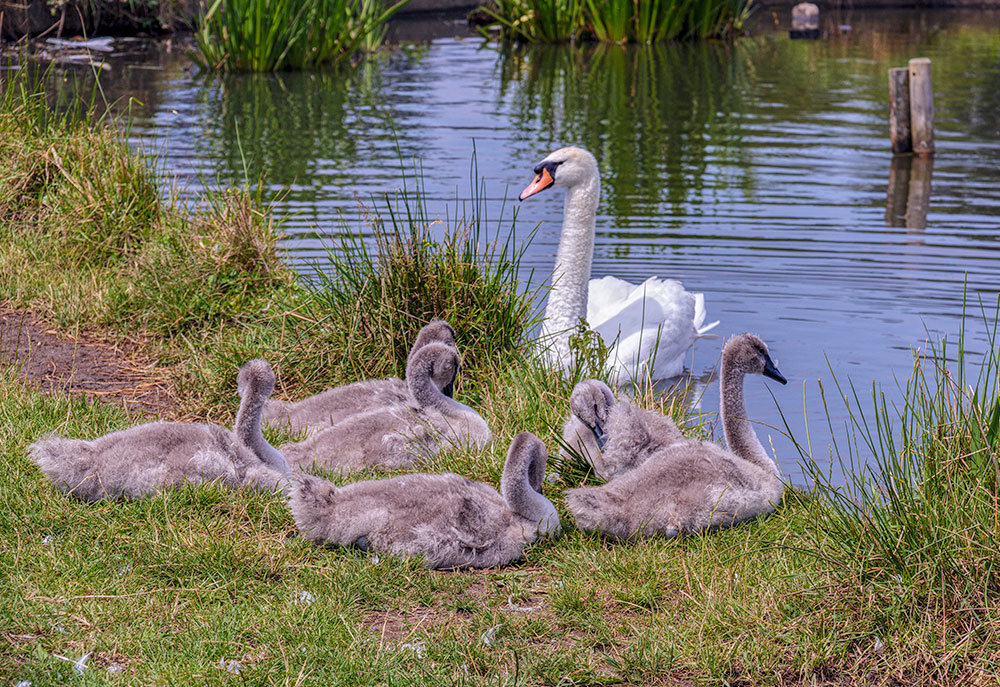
549, 165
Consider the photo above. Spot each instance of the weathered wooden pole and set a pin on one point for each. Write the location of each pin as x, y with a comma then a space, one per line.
921, 106
899, 110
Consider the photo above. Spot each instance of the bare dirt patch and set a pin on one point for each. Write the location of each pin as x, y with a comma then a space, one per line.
81, 365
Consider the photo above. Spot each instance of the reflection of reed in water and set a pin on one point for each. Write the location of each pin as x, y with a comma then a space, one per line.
652, 114
909, 192
280, 125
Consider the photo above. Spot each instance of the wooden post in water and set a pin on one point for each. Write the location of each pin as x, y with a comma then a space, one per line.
899, 110
921, 106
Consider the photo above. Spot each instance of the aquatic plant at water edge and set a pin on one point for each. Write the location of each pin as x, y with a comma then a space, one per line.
617, 21
919, 518
545, 21
271, 35
376, 291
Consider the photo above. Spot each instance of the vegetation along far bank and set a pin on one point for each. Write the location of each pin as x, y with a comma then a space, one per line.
887, 579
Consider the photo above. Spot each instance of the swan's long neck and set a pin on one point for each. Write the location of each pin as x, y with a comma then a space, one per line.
740, 437
248, 431
519, 489
571, 275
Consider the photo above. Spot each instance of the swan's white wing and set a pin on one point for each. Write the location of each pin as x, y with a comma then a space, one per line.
605, 298
657, 315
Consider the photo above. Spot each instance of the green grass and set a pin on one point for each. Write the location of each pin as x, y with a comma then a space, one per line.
921, 518
377, 298
273, 35
617, 21
889, 582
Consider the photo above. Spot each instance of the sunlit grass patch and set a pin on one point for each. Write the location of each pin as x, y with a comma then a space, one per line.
920, 517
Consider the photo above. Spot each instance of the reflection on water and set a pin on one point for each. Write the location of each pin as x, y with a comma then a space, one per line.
754, 172
909, 193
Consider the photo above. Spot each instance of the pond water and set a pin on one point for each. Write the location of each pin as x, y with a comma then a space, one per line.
757, 173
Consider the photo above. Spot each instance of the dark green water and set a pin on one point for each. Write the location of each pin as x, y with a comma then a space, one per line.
757, 173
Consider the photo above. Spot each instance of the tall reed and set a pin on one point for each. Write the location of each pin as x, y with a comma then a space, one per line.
376, 291
618, 21
543, 21
919, 506
271, 35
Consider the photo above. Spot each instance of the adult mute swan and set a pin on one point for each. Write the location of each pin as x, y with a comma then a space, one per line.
690, 486
650, 326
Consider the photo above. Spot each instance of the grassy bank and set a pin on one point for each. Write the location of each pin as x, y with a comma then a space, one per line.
201, 586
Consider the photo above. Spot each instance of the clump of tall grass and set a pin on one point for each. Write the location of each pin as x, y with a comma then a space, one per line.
921, 514
618, 21
537, 21
68, 179
376, 291
219, 265
88, 237
272, 35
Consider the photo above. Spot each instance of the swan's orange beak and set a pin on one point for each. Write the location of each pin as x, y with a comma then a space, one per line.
541, 182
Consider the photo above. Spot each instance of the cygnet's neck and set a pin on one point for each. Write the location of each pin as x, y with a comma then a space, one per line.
740, 436
423, 389
248, 431
522, 498
571, 275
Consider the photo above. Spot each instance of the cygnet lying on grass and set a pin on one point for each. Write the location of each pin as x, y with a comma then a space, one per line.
333, 405
403, 434
614, 437
690, 485
141, 460
451, 521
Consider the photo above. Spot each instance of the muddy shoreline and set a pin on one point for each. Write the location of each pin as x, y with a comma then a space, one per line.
82, 365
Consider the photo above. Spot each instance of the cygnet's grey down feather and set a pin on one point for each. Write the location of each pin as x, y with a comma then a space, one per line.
614, 438
691, 486
141, 460
632, 435
400, 435
451, 521
583, 431
333, 405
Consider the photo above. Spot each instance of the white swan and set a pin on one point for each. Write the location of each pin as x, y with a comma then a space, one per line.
649, 327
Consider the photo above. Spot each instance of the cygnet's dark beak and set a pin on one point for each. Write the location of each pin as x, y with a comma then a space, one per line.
449, 389
771, 371
599, 436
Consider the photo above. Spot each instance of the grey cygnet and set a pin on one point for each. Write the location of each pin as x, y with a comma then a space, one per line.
142, 460
403, 434
614, 437
451, 521
333, 405
692, 486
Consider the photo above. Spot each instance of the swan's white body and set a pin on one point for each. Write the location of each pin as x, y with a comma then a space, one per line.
648, 327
